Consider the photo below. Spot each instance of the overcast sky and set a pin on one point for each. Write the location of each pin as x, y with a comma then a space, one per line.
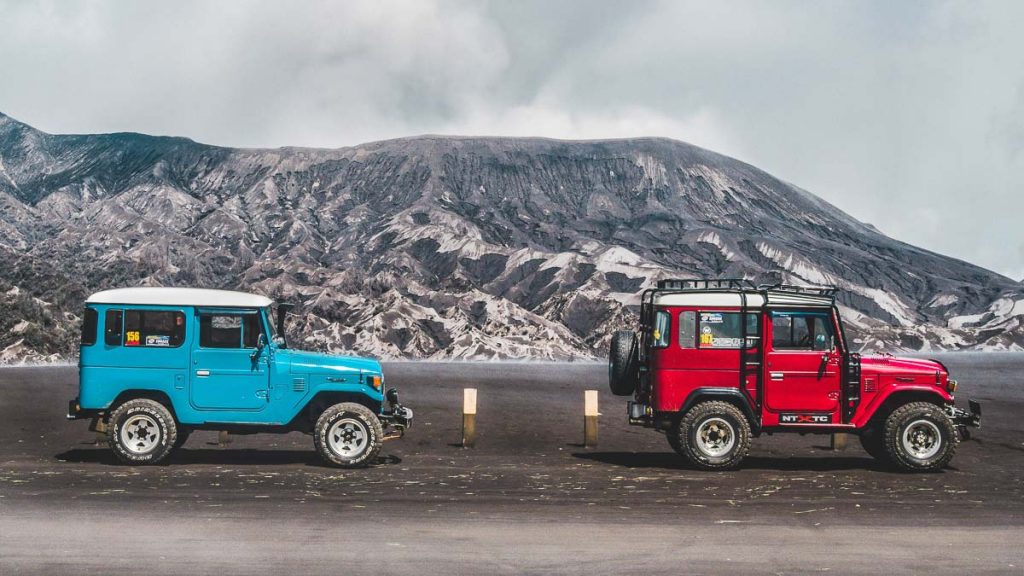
907, 115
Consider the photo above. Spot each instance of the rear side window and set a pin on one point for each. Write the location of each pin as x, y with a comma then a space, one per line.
801, 331
662, 326
724, 330
112, 327
688, 329
89, 321
229, 330
154, 328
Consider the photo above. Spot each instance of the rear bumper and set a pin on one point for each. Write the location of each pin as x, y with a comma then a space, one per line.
966, 419
75, 410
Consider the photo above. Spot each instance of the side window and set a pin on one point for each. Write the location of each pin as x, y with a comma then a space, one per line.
661, 335
724, 329
229, 330
112, 327
688, 329
154, 328
89, 321
250, 330
801, 331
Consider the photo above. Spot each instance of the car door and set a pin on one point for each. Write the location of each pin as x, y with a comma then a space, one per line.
802, 371
225, 373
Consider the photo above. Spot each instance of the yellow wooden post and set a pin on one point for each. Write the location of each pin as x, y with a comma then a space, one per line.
590, 415
101, 432
468, 417
839, 441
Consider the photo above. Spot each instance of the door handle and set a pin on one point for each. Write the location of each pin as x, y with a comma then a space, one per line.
202, 372
775, 375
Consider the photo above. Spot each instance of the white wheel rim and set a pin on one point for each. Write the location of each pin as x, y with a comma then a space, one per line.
348, 438
922, 439
140, 434
715, 437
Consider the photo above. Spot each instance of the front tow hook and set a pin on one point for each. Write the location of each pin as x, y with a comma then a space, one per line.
965, 420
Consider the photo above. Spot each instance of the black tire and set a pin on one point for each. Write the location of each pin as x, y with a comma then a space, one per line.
673, 441
141, 431
716, 422
183, 434
910, 435
356, 440
872, 441
624, 363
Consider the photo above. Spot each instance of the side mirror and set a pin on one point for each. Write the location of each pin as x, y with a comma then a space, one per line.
261, 343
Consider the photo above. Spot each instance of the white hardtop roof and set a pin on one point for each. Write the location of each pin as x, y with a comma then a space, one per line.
754, 299
180, 297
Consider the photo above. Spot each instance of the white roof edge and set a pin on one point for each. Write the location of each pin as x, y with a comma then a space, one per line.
158, 296
754, 299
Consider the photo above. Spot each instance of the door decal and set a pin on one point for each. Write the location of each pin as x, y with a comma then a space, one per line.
805, 418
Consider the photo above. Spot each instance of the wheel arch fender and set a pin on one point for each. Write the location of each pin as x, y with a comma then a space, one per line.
144, 393
731, 395
882, 406
324, 399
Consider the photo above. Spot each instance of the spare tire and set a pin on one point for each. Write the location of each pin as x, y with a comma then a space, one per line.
624, 363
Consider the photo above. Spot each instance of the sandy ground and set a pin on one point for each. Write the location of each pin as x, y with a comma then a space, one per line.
527, 499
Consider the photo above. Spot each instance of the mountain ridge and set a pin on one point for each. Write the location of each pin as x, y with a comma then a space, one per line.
454, 246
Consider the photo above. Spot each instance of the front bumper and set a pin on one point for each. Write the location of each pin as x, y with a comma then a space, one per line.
964, 419
399, 416
396, 415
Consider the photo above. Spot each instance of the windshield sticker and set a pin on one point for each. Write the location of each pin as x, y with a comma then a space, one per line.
158, 340
711, 318
131, 338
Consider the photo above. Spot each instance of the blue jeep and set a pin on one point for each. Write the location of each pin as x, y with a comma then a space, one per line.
158, 363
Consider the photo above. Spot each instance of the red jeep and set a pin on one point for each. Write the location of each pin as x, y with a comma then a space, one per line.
719, 361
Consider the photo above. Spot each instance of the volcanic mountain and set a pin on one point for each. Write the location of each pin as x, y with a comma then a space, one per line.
440, 247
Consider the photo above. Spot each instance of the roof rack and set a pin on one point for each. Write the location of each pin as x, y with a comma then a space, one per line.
683, 285
811, 290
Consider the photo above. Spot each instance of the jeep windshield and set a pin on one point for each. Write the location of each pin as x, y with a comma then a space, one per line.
277, 316
271, 325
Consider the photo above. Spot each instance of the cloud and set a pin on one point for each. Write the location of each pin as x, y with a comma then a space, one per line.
906, 115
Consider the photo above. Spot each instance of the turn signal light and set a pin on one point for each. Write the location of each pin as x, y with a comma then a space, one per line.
951, 385
374, 381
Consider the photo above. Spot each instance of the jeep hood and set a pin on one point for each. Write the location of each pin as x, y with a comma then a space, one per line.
318, 363
900, 365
